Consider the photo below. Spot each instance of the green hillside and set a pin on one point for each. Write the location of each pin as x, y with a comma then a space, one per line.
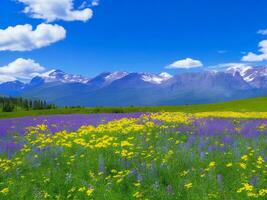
247, 105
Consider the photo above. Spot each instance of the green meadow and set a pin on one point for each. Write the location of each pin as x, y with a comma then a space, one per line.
247, 105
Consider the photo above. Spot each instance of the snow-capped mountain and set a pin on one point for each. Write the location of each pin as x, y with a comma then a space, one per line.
241, 69
126, 89
255, 76
156, 78
115, 76
60, 76
106, 78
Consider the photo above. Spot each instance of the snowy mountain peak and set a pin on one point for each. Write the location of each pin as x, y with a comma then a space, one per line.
156, 78
115, 76
60, 76
256, 74
47, 74
165, 75
241, 69
248, 73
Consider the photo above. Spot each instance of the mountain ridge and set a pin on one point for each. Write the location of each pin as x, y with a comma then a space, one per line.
142, 89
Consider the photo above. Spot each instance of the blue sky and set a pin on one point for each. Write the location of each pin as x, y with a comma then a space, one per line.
141, 35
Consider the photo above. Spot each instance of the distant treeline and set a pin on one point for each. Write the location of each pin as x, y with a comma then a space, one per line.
105, 109
10, 104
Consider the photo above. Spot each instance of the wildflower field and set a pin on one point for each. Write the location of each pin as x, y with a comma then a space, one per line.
208, 155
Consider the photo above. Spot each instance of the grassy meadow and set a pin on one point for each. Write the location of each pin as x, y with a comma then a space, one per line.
201, 152
247, 105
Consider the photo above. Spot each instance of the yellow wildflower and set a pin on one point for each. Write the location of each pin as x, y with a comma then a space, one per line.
137, 184
246, 187
89, 192
4, 191
188, 185
137, 195
212, 164
82, 189
184, 173
263, 192
229, 164
243, 165
244, 157
126, 144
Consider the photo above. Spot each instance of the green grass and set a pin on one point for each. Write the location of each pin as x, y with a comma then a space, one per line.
247, 105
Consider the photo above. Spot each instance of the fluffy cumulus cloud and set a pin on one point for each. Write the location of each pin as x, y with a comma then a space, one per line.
262, 56
262, 32
185, 64
6, 78
52, 10
25, 38
22, 69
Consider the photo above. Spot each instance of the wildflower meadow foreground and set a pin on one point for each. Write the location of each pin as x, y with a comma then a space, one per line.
139, 156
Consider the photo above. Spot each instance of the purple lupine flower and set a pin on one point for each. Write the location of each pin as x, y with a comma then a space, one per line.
202, 155
254, 180
219, 180
59, 122
169, 189
101, 164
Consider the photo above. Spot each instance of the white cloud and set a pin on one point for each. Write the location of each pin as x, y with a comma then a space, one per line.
252, 57
52, 10
185, 64
24, 38
262, 32
22, 69
89, 3
95, 2
6, 78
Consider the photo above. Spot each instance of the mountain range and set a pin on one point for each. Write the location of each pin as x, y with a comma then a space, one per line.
142, 89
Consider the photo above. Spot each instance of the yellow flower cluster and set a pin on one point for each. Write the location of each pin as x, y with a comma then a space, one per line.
119, 176
251, 192
87, 191
115, 154
6, 164
241, 115
172, 117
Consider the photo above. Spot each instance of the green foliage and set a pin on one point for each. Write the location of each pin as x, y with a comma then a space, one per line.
8, 107
10, 104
